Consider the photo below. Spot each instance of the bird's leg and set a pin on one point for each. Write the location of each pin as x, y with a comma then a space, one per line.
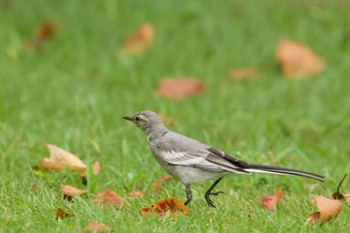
207, 198
188, 194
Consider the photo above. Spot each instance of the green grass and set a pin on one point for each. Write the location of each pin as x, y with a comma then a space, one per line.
74, 93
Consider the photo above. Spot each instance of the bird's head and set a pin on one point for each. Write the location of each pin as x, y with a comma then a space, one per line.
145, 120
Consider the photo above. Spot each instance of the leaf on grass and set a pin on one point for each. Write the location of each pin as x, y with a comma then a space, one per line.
157, 186
180, 88
96, 167
139, 40
60, 159
328, 209
108, 197
347, 197
297, 60
240, 74
136, 194
45, 30
94, 226
69, 192
61, 214
166, 178
161, 207
271, 200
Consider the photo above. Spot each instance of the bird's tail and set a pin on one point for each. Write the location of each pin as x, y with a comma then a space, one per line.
282, 171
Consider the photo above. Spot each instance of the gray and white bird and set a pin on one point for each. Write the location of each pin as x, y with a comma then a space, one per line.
191, 161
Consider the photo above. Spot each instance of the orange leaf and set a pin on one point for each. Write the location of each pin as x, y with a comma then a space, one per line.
328, 209
140, 40
161, 207
297, 59
96, 167
165, 178
60, 159
180, 88
94, 226
136, 194
271, 200
70, 191
311, 219
108, 197
156, 186
240, 74
61, 214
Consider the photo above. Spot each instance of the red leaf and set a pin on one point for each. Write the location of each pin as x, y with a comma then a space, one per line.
180, 88
108, 197
140, 40
94, 226
271, 200
240, 74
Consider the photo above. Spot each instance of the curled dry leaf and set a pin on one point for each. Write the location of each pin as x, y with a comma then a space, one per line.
60, 159
297, 60
61, 214
271, 200
136, 194
140, 40
328, 209
94, 226
161, 207
70, 191
157, 186
108, 197
96, 167
180, 88
165, 178
240, 74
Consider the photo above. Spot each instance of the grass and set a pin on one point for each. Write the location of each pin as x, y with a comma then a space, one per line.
74, 93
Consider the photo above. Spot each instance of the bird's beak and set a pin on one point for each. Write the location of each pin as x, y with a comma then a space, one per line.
128, 118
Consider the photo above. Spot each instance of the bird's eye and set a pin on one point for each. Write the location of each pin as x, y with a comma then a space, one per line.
137, 118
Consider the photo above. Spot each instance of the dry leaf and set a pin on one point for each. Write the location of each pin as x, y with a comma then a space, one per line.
165, 178
328, 209
70, 191
94, 226
156, 186
270, 201
240, 74
136, 194
297, 59
161, 207
60, 158
347, 197
61, 214
311, 219
96, 167
45, 31
180, 88
108, 197
140, 40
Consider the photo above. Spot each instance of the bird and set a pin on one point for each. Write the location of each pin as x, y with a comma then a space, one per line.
191, 161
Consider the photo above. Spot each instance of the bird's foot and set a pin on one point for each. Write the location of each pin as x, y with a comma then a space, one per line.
209, 201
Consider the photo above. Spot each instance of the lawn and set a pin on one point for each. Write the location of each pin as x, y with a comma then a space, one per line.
75, 91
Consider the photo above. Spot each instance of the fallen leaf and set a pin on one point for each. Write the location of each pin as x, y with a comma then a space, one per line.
96, 167
240, 74
94, 226
136, 194
347, 197
328, 209
45, 31
297, 60
166, 178
168, 121
61, 214
139, 40
337, 194
161, 207
70, 191
60, 159
180, 88
156, 186
271, 200
108, 197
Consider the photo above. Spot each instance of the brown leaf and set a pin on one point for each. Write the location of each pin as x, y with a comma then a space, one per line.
161, 207
166, 178
156, 186
96, 167
70, 191
297, 59
60, 159
328, 209
94, 226
311, 219
108, 197
46, 30
271, 200
136, 194
240, 74
180, 88
61, 214
139, 40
